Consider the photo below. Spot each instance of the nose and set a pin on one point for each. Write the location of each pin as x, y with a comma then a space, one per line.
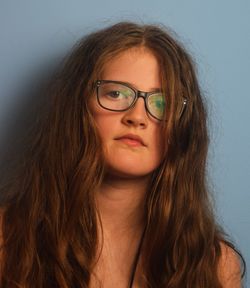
137, 115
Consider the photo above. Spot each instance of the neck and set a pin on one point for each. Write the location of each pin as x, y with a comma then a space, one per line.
121, 204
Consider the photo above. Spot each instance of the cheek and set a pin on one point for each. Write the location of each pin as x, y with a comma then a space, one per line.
102, 127
103, 121
107, 130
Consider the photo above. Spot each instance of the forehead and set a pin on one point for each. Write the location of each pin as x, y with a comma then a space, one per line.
137, 66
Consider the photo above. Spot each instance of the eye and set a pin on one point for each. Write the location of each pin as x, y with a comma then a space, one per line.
114, 94
156, 103
121, 94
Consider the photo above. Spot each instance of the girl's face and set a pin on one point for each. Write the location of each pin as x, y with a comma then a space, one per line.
132, 140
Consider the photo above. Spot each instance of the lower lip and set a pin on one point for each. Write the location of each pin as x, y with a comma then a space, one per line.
131, 142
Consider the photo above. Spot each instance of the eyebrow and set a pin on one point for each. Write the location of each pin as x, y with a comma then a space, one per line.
149, 90
134, 86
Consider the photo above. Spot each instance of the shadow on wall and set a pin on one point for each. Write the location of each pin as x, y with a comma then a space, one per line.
25, 118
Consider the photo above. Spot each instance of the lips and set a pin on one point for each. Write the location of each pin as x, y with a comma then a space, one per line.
131, 139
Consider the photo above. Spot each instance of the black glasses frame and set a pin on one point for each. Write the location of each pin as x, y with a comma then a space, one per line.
137, 93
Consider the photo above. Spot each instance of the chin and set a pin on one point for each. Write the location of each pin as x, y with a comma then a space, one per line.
128, 172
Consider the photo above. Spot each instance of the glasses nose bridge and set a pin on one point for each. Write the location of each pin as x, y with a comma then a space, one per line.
141, 94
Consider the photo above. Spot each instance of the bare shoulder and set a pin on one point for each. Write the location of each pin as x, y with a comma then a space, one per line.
1, 233
1, 220
1, 229
229, 269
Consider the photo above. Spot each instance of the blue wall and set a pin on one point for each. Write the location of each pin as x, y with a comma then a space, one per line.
217, 33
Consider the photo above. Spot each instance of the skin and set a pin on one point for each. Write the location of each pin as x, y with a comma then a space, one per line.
140, 68
121, 196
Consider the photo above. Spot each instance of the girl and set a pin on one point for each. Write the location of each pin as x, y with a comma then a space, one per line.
113, 190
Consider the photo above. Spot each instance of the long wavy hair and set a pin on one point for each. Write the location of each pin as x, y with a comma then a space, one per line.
49, 219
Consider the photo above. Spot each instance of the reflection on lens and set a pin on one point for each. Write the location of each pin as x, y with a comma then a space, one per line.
156, 105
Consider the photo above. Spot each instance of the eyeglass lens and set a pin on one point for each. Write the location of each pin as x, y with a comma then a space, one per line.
119, 97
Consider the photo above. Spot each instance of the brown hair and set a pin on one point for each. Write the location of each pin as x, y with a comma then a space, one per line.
50, 220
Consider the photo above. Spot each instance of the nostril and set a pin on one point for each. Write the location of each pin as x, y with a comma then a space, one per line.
129, 121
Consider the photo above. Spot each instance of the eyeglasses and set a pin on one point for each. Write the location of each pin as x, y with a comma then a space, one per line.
120, 96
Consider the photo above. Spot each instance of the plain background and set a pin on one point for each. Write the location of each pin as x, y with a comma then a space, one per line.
216, 33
